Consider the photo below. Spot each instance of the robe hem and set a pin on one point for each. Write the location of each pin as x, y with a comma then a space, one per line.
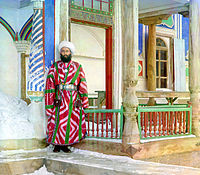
69, 143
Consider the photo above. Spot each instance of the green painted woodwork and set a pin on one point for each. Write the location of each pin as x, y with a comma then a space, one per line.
165, 108
120, 111
159, 137
169, 22
187, 72
36, 98
92, 10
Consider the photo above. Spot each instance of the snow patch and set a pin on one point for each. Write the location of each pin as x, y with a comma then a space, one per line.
14, 118
41, 171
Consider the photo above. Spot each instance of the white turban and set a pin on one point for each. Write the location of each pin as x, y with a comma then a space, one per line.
67, 44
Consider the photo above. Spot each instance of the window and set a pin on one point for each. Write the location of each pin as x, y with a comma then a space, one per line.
161, 64
95, 6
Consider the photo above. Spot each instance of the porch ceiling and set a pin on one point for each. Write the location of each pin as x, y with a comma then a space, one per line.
149, 8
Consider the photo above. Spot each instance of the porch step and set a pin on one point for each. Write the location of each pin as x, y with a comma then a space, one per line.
81, 162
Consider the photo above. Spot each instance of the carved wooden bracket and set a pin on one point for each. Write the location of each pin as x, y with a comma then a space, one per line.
154, 19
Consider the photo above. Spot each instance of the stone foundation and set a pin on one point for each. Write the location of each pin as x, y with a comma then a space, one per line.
26, 144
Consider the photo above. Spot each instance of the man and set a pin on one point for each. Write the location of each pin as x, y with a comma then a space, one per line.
66, 98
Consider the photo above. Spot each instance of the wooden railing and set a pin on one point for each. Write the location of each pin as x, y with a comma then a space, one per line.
164, 121
104, 123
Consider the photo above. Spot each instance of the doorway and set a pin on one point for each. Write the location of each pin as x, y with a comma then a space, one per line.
94, 51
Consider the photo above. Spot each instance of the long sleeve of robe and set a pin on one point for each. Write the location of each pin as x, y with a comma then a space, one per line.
66, 123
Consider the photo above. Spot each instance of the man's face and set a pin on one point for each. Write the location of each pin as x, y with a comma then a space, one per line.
65, 52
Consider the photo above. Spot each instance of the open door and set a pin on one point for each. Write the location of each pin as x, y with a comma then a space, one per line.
94, 51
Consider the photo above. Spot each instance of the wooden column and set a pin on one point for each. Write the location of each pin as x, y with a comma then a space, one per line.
194, 65
109, 68
151, 62
64, 20
117, 67
130, 70
23, 78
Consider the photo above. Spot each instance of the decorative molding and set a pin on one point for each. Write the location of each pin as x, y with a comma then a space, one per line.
22, 46
36, 96
37, 4
92, 10
91, 17
169, 23
8, 27
36, 69
154, 19
140, 68
168, 11
26, 30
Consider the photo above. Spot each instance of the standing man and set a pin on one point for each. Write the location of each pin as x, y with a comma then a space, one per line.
66, 97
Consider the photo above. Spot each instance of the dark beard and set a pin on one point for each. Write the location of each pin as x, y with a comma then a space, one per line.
66, 59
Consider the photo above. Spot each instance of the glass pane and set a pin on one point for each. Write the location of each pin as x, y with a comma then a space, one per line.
157, 68
105, 7
78, 2
160, 42
157, 82
163, 69
88, 3
96, 4
157, 54
163, 83
163, 55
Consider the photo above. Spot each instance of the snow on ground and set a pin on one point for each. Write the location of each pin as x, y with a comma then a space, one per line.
14, 118
41, 171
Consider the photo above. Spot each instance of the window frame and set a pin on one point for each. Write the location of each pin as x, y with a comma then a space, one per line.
92, 10
159, 77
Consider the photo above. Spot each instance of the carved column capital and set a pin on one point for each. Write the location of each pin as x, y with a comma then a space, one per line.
22, 46
37, 4
36, 96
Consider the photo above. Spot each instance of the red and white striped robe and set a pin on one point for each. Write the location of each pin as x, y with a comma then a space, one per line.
67, 126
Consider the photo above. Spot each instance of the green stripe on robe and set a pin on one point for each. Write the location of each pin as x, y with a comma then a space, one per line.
69, 118
80, 126
49, 91
56, 66
49, 106
84, 95
57, 118
83, 80
50, 76
76, 75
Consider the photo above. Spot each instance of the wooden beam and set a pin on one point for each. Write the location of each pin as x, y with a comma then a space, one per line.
163, 94
168, 11
185, 14
154, 19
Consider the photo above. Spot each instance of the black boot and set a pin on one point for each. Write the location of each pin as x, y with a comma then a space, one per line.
56, 149
65, 149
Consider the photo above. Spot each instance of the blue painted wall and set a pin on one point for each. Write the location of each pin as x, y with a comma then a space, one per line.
140, 38
185, 33
49, 33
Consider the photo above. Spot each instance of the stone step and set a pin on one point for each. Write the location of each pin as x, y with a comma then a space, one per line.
81, 162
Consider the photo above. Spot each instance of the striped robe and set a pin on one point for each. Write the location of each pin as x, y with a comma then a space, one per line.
66, 124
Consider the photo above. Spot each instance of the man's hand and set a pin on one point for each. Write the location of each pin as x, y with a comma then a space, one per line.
78, 103
57, 102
